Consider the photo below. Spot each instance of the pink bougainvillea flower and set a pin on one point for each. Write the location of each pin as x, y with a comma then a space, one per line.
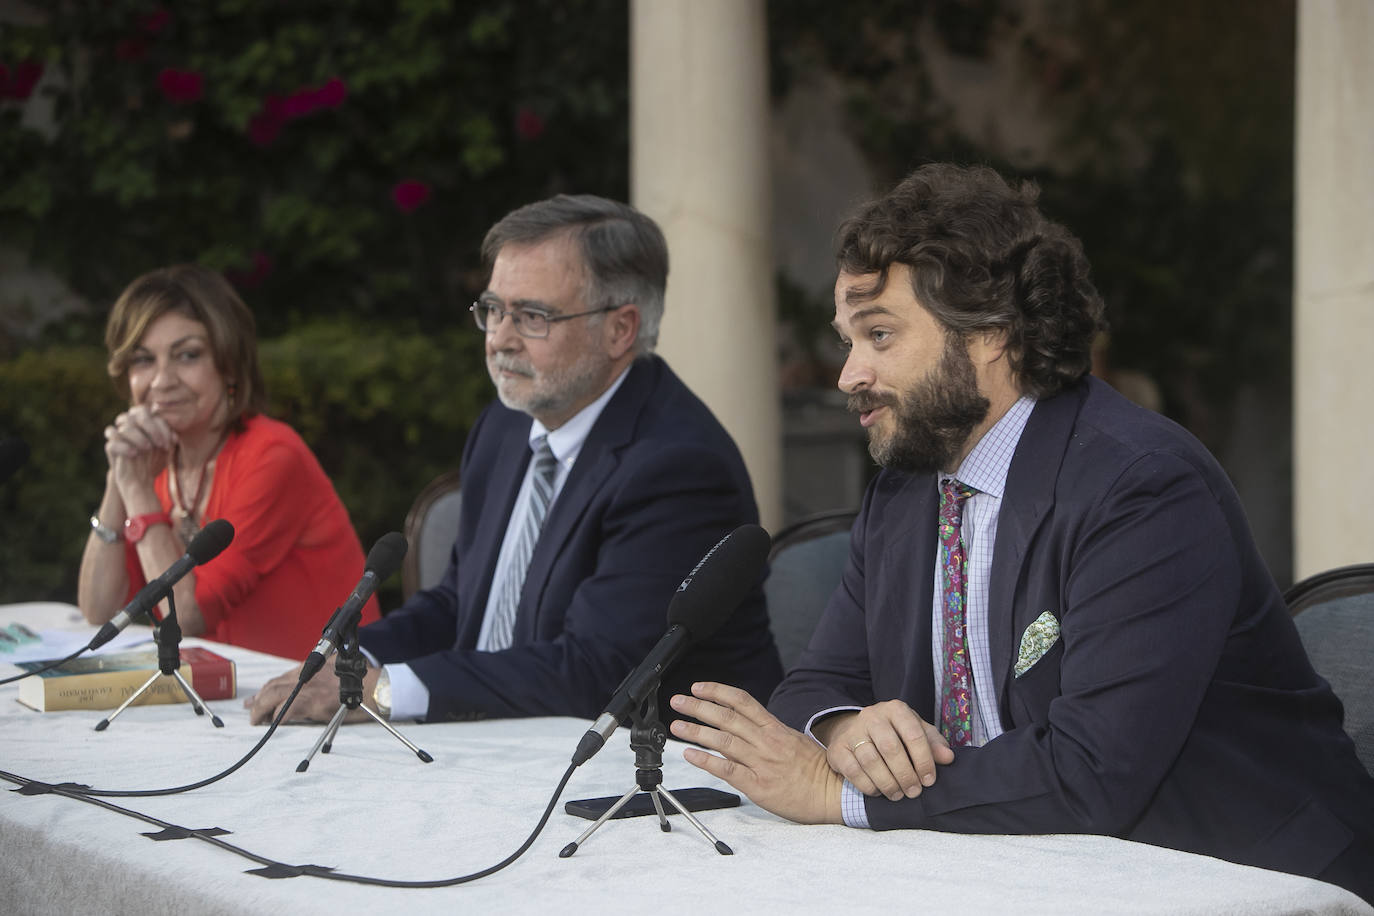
310, 98
528, 125
19, 82
155, 21
332, 94
276, 111
298, 104
255, 275
264, 126
181, 86
409, 195
131, 49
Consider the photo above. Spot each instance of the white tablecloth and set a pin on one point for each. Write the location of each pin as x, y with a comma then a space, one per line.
372, 808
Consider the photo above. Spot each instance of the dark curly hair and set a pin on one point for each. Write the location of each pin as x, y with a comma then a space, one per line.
982, 256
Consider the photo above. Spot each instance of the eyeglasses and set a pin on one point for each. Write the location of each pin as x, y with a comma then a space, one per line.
532, 323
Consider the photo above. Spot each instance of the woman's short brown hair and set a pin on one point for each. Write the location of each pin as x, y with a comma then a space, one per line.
205, 296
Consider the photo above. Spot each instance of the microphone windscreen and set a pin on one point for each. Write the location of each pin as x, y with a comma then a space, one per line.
712, 591
13, 455
210, 541
385, 556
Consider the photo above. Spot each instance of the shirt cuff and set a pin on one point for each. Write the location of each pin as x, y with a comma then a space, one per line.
852, 806
822, 714
409, 695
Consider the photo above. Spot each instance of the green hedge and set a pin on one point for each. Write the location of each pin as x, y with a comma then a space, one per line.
384, 411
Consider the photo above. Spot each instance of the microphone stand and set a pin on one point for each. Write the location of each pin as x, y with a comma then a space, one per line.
350, 666
168, 639
648, 738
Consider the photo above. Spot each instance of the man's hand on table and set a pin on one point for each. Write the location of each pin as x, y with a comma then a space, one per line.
318, 699
777, 767
883, 749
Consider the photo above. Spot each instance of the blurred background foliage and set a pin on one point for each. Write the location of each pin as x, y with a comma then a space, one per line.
337, 158
341, 160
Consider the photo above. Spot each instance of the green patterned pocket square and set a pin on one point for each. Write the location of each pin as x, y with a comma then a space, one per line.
1039, 637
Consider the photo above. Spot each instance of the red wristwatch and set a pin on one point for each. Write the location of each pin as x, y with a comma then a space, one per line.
136, 527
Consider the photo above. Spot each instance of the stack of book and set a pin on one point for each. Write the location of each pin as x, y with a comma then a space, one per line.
104, 681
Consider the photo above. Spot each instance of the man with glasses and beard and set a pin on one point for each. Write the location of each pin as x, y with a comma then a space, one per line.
589, 492
1053, 618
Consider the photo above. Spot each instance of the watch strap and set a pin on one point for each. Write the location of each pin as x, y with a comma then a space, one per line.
136, 527
108, 535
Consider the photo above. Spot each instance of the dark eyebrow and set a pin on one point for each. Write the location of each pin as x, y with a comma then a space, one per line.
488, 298
861, 314
181, 341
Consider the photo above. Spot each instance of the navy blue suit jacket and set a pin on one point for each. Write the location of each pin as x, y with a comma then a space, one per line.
1178, 707
656, 484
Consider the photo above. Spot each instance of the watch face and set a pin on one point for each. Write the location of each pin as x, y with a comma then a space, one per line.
108, 535
135, 528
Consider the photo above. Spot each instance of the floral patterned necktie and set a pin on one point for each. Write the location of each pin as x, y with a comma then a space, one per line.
956, 720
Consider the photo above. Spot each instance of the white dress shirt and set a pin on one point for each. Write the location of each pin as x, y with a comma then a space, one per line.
985, 470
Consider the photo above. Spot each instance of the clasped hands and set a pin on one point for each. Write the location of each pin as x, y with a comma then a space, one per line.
137, 445
882, 749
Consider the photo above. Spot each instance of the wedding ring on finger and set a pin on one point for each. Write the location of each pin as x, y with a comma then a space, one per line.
859, 744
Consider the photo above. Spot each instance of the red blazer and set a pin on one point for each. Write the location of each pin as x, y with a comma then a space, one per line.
295, 556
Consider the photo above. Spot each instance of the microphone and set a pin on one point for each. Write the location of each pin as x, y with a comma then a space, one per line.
704, 600
14, 453
208, 543
382, 561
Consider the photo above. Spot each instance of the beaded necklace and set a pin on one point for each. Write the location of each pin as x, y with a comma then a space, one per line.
187, 514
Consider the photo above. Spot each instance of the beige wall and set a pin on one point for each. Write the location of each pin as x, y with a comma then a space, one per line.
699, 166
1333, 301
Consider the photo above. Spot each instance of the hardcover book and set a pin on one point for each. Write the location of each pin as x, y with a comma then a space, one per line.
105, 681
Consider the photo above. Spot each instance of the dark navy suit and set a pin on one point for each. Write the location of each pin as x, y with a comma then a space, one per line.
656, 484
1178, 707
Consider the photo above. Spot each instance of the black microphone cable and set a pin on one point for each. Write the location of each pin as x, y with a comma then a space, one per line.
271, 868
79, 789
48, 667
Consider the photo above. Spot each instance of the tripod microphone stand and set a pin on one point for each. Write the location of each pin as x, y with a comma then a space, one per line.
648, 738
168, 639
350, 666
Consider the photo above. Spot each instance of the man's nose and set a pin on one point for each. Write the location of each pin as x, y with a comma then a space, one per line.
501, 334
855, 375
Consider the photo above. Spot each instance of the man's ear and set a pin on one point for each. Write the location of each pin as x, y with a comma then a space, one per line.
622, 330
992, 344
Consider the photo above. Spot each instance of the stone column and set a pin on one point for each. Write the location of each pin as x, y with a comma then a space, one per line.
1333, 295
699, 166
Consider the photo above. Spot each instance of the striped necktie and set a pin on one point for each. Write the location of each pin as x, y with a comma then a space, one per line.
530, 520
956, 719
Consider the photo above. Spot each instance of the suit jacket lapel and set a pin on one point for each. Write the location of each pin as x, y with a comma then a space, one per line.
912, 587
495, 504
1028, 497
